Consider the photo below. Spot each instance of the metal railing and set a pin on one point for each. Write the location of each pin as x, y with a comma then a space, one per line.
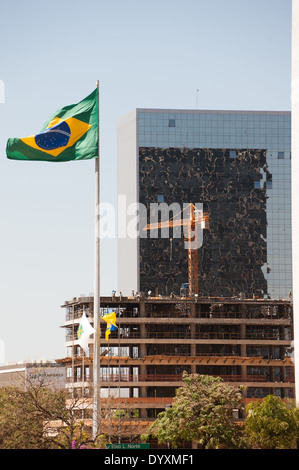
187, 335
106, 378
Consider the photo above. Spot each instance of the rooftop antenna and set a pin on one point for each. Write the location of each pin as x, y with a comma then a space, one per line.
197, 91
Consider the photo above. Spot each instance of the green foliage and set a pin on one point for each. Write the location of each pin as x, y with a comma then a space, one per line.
21, 425
80, 438
272, 424
42, 418
202, 411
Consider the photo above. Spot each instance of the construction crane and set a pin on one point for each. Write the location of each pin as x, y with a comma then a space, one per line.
195, 217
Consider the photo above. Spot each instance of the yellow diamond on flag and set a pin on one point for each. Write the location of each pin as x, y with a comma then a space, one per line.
59, 135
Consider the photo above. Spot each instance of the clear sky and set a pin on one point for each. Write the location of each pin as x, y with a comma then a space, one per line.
153, 54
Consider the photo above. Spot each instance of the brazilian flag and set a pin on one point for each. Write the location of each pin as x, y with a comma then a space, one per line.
72, 133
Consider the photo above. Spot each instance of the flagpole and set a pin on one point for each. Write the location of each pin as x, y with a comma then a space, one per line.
109, 401
83, 366
96, 305
83, 394
119, 374
73, 342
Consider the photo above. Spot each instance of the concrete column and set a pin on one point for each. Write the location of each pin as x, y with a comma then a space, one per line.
243, 336
142, 309
193, 346
142, 394
142, 345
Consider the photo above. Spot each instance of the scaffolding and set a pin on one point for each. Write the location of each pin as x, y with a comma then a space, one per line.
243, 341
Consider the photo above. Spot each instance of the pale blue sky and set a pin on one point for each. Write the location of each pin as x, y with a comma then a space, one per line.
145, 54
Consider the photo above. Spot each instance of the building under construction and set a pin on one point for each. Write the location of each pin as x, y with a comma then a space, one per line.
244, 341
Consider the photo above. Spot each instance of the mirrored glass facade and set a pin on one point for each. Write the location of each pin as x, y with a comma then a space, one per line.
262, 133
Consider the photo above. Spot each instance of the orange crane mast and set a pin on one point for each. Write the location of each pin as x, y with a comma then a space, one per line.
192, 222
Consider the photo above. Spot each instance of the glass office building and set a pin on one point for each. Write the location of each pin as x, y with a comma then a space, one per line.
238, 165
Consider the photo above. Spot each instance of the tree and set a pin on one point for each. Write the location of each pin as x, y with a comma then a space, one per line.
202, 411
41, 417
272, 424
125, 424
20, 427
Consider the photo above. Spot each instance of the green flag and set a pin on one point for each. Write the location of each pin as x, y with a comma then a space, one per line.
72, 133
